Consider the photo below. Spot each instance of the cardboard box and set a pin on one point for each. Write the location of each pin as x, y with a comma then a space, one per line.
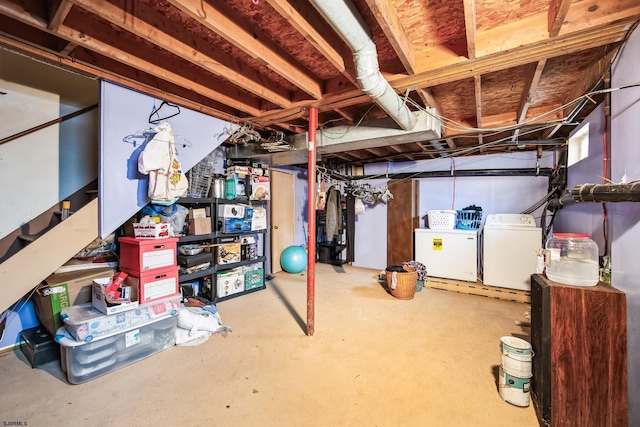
229, 282
200, 226
234, 225
231, 211
260, 187
259, 219
154, 284
147, 254
99, 301
248, 248
152, 231
63, 290
239, 170
199, 222
228, 253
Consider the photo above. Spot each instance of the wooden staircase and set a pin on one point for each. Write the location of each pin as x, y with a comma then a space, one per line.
20, 273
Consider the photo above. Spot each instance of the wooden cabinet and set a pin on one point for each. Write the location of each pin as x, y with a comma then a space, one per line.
579, 337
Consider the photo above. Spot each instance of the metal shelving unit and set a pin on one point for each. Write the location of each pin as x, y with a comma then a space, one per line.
208, 277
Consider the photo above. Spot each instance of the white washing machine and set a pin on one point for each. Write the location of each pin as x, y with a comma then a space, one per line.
509, 250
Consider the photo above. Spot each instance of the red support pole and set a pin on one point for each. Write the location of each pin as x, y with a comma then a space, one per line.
311, 215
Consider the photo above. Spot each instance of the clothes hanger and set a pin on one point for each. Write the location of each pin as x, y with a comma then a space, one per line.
156, 112
149, 133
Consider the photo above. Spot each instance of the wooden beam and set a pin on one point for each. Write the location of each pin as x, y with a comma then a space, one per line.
198, 53
251, 41
378, 152
477, 88
511, 58
561, 45
82, 39
450, 143
479, 289
68, 48
586, 84
220, 95
427, 97
346, 115
89, 69
531, 84
58, 11
387, 17
470, 26
558, 10
334, 50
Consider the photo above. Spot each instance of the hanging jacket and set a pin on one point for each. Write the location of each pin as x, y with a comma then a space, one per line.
334, 213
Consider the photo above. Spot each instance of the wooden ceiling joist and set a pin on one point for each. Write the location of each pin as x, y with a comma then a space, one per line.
58, 12
334, 50
387, 18
55, 59
250, 40
470, 27
562, 45
213, 61
558, 10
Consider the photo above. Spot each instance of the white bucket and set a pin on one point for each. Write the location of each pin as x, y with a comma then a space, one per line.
513, 389
516, 356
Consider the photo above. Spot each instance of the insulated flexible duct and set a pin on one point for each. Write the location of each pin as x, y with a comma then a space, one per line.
345, 20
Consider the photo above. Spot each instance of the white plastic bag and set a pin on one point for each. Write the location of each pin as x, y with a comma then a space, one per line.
359, 206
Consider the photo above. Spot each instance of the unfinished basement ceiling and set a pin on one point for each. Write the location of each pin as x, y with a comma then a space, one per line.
503, 76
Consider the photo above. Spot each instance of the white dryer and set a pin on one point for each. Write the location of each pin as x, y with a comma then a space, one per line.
509, 250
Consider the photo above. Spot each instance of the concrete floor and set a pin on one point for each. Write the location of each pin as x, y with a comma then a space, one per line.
374, 360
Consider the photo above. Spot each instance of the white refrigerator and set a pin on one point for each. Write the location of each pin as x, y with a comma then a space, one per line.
450, 254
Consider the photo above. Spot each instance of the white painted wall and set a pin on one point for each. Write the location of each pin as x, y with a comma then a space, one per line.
28, 165
46, 166
125, 112
625, 217
586, 218
494, 194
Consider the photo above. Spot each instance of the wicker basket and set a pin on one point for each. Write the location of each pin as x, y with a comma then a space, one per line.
404, 286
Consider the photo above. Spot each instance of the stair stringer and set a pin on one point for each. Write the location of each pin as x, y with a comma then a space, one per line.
34, 263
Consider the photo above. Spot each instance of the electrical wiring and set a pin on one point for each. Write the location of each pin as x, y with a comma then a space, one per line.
604, 178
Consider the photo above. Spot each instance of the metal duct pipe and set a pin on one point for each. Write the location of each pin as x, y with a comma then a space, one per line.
607, 192
346, 21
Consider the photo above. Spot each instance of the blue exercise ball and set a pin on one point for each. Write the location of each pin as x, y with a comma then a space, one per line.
294, 259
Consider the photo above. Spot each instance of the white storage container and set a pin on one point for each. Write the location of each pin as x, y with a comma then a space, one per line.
85, 361
86, 323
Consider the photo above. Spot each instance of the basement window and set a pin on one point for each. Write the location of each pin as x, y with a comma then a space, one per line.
578, 146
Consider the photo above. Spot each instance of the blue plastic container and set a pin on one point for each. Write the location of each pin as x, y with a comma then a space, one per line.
468, 219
